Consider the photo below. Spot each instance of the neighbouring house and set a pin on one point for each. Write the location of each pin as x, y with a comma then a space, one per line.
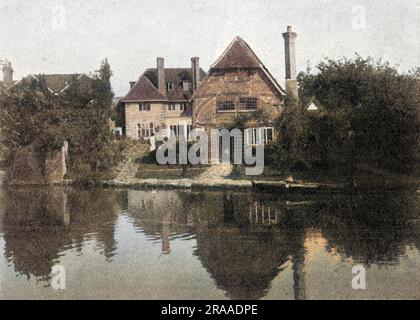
159, 101
59, 83
313, 105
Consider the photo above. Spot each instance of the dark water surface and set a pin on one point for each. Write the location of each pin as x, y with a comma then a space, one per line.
213, 245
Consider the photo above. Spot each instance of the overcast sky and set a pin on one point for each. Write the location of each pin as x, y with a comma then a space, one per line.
47, 36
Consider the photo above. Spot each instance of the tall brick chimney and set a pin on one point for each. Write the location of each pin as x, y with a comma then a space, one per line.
161, 75
7, 73
290, 66
195, 72
132, 83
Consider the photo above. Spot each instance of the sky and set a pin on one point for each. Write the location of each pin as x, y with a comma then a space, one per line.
46, 36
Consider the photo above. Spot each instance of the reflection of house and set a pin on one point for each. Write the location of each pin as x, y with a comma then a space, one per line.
159, 99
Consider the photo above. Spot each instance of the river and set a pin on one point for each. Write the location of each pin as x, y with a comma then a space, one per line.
130, 244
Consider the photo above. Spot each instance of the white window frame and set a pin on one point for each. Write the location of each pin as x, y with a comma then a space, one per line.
144, 106
145, 129
257, 136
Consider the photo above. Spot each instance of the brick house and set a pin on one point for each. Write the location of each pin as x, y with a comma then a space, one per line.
237, 83
180, 99
159, 101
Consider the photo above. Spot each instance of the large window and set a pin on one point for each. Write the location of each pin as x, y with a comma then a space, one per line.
144, 106
248, 103
254, 136
225, 105
145, 129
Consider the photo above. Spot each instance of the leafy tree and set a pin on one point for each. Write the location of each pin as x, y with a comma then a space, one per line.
30, 115
370, 116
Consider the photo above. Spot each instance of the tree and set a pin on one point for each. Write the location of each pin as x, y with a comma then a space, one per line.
30, 115
370, 116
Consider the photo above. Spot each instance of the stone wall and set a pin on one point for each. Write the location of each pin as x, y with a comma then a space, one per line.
28, 169
158, 115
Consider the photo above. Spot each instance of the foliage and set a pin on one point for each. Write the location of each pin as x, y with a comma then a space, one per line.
369, 116
32, 115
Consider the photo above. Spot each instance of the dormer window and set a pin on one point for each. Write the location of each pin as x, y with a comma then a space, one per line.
170, 86
186, 85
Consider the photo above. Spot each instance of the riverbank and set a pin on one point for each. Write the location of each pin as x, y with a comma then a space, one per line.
204, 182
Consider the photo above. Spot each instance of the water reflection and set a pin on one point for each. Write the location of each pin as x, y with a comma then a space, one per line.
244, 241
38, 224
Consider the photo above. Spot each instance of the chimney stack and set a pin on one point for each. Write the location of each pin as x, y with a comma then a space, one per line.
290, 59
161, 75
132, 83
7, 73
195, 72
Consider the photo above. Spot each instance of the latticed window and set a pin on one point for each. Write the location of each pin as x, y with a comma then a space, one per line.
145, 130
248, 103
225, 105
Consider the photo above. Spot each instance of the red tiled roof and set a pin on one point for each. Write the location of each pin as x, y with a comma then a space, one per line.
143, 90
148, 90
237, 55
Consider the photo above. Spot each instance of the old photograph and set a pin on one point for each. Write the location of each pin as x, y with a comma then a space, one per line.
210, 150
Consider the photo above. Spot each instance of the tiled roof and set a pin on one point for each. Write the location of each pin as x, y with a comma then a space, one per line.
57, 83
148, 90
237, 55
143, 90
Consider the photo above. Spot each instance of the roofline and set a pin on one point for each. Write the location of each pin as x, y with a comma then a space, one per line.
261, 66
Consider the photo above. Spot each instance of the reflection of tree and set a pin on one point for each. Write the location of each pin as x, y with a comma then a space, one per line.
41, 223
371, 228
242, 257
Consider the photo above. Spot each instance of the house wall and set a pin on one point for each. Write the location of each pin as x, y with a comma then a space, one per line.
134, 116
158, 114
233, 85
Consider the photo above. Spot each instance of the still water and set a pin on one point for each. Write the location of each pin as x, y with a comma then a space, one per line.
207, 245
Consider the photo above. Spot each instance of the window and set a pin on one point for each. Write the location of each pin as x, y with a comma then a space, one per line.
183, 106
145, 130
172, 107
254, 136
225, 105
248, 103
170, 86
144, 106
186, 85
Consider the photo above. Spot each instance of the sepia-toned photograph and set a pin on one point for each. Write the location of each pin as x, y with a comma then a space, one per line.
184, 150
